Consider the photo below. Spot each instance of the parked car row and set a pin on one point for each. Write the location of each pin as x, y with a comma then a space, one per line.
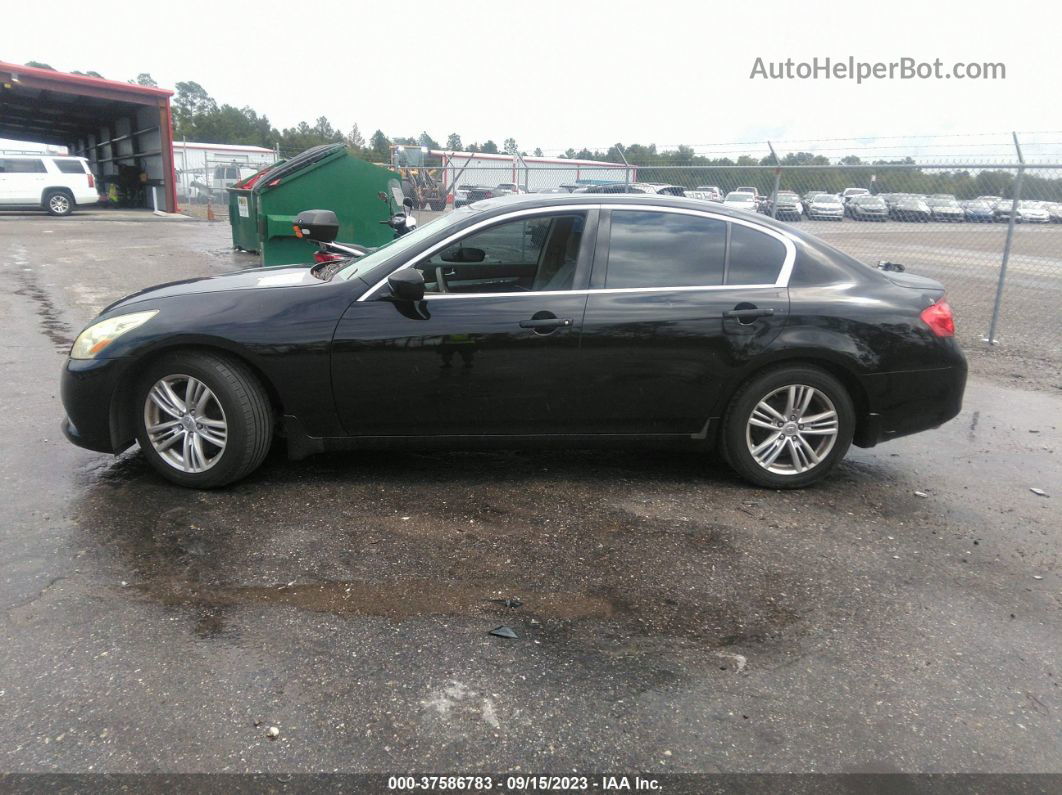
859, 204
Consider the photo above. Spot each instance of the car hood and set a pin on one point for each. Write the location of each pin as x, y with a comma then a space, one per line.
253, 279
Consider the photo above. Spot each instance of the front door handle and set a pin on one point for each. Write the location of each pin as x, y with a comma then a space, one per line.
748, 314
546, 322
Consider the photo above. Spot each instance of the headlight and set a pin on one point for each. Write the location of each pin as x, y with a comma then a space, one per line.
99, 335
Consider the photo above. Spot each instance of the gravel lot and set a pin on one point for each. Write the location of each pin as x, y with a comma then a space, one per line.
903, 616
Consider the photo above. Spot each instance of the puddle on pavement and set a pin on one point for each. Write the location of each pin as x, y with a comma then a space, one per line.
408, 598
603, 545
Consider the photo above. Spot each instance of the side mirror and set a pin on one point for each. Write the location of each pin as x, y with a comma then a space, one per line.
407, 284
463, 255
320, 226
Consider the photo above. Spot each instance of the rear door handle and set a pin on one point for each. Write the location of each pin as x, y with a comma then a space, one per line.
546, 322
748, 314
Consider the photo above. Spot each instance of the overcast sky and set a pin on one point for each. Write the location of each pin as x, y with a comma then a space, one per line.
577, 73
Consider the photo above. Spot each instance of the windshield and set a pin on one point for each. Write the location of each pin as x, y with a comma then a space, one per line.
398, 245
869, 201
739, 197
826, 198
941, 202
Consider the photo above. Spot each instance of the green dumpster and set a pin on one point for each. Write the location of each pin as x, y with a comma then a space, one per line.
325, 177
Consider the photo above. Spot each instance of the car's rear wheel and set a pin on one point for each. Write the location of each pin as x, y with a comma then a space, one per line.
202, 420
786, 428
58, 202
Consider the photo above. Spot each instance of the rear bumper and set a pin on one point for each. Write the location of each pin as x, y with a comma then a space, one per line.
903, 403
87, 388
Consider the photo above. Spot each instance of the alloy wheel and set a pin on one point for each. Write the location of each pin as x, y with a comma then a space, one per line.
792, 429
59, 204
185, 423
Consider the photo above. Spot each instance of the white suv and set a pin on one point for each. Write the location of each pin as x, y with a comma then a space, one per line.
58, 183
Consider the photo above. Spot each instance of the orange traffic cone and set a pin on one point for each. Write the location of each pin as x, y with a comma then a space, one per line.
450, 199
210, 211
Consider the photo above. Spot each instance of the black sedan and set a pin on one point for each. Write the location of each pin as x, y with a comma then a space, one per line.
911, 208
574, 320
867, 208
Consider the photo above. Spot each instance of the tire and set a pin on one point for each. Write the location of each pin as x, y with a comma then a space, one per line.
235, 411
59, 202
740, 436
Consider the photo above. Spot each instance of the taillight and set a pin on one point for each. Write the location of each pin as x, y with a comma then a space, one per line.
92, 180
939, 318
322, 256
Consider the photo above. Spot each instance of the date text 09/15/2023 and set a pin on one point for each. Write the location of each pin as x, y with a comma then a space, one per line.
523, 783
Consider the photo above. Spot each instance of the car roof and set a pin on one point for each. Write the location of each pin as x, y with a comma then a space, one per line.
532, 201
38, 155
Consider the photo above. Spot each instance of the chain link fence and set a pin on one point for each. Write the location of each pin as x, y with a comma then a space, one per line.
203, 181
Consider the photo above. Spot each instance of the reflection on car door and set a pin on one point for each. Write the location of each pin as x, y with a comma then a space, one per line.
680, 305
492, 350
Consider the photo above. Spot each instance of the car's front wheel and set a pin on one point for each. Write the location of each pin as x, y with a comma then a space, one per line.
203, 420
788, 427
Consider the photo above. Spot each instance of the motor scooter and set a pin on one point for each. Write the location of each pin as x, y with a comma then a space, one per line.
321, 227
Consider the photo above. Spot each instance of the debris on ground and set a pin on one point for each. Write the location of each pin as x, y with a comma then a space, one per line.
740, 660
512, 602
272, 732
920, 494
503, 632
1038, 492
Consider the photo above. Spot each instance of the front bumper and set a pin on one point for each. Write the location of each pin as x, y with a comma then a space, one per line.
88, 388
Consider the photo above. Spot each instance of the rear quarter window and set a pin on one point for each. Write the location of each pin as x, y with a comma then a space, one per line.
70, 166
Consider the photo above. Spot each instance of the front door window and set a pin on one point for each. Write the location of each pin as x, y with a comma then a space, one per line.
526, 255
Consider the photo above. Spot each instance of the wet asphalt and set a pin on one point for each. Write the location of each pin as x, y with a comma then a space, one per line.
903, 616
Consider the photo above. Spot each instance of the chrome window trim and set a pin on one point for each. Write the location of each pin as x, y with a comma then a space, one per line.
782, 280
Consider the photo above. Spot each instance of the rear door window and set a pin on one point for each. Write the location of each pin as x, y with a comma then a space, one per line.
755, 258
657, 249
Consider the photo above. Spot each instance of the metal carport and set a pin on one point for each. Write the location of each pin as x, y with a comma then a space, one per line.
111, 123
